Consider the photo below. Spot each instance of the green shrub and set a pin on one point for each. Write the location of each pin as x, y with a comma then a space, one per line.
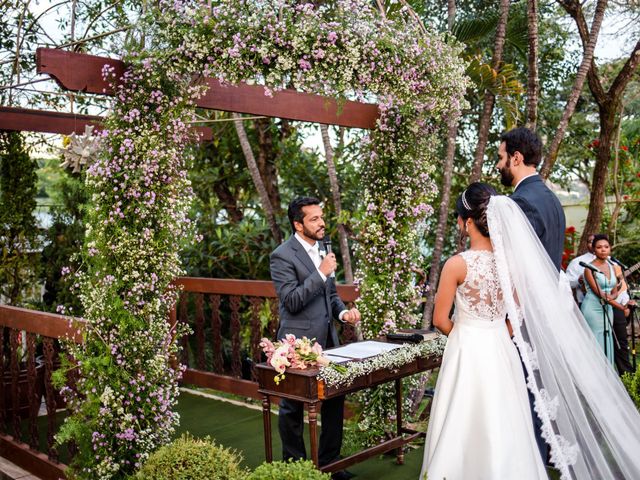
300, 470
632, 383
192, 458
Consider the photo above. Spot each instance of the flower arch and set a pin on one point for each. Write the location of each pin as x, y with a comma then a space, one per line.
140, 191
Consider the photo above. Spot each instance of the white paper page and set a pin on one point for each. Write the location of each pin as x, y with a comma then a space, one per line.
336, 358
365, 349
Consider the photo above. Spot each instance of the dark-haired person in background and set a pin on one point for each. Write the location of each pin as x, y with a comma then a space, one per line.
602, 290
575, 271
308, 305
519, 155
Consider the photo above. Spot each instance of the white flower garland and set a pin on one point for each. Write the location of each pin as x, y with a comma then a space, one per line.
407, 353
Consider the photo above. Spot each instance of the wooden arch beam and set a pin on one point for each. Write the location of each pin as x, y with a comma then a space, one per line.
27, 120
82, 72
43, 121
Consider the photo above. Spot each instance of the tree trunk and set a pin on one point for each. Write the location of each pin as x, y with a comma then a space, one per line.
228, 200
441, 230
451, 14
266, 161
574, 8
617, 187
603, 156
609, 107
489, 98
335, 193
532, 74
257, 179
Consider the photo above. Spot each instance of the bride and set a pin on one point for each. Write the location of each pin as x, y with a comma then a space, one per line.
481, 426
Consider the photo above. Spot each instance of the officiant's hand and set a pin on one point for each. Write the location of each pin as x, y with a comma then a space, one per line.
329, 264
352, 316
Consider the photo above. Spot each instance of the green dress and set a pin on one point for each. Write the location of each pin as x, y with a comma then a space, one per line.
593, 312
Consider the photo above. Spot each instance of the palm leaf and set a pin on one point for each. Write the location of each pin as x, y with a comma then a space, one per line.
502, 82
472, 29
509, 107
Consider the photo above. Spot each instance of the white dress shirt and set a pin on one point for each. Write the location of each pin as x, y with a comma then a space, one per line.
575, 271
314, 253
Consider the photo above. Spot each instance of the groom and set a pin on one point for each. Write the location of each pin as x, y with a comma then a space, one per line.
309, 303
519, 155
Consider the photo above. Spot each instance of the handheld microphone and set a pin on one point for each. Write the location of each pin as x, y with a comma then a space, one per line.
326, 241
589, 266
615, 260
327, 244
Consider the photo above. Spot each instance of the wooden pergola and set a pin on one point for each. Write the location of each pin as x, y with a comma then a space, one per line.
80, 72
83, 73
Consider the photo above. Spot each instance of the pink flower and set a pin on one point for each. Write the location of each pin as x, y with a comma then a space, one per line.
279, 360
304, 64
322, 361
317, 349
304, 348
267, 346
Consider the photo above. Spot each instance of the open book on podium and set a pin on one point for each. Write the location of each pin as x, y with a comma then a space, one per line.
371, 348
358, 351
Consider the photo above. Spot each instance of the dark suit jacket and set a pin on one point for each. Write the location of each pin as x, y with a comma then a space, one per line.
308, 304
545, 214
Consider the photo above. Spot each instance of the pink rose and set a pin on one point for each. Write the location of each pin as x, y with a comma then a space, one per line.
322, 361
317, 349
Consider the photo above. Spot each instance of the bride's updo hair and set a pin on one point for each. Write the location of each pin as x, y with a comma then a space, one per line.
473, 204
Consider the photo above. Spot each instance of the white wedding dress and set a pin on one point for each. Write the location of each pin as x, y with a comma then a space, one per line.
480, 425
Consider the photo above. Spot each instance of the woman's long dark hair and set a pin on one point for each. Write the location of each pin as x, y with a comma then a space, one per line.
473, 204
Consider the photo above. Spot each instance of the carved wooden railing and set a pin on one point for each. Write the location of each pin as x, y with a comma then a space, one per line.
227, 319
25, 383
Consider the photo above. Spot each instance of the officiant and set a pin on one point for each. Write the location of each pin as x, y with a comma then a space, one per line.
303, 274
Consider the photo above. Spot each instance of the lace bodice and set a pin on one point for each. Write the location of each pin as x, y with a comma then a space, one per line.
480, 294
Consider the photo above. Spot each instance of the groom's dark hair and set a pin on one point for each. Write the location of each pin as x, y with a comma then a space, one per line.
473, 204
524, 141
295, 212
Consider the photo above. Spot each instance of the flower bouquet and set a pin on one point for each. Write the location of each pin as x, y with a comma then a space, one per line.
295, 353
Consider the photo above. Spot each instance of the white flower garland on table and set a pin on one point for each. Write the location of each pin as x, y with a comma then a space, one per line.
396, 358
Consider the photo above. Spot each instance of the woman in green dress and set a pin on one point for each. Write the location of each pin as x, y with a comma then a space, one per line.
602, 290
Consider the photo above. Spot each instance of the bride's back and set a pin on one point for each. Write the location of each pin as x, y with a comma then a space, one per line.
479, 297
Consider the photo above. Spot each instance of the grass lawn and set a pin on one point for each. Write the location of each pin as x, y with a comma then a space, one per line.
241, 428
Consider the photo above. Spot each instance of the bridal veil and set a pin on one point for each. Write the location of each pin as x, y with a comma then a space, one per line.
589, 421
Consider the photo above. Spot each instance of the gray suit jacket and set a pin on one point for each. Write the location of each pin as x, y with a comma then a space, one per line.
308, 304
544, 212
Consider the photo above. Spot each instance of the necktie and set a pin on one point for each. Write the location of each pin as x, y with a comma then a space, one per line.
315, 255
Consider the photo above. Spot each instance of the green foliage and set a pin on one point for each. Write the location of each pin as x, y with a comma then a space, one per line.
18, 230
63, 239
632, 383
188, 458
300, 470
235, 237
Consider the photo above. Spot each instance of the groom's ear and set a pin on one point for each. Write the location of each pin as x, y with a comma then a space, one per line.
518, 158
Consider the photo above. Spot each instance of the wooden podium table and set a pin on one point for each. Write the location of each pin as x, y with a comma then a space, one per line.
304, 386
